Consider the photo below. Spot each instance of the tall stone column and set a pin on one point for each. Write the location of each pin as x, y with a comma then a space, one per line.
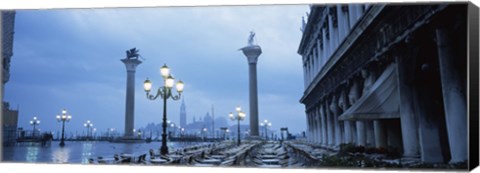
310, 127
323, 123
340, 23
380, 136
429, 138
317, 118
330, 40
353, 96
359, 11
315, 61
352, 13
320, 55
131, 65
361, 135
353, 128
330, 125
347, 129
347, 132
305, 73
307, 131
335, 112
326, 49
323, 118
429, 116
314, 129
454, 98
370, 133
408, 121
308, 70
331, 30
252, 52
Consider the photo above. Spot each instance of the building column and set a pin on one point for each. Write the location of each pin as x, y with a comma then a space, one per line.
361, 135
352, 15
330, 125
317, 118
320, 55
326, 46
323, 124
340, 23
429, 138
335, 113
308, 69
312, 72
309, 139
408, 120
315, 126
429, 116
347, 128
332, 30
454, 98
305, 75
353, 128
309, 129
353, 96
370, 133
359, 11
380, 137
332, 41
342, 102
315, 60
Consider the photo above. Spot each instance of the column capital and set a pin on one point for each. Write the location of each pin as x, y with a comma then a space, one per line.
131, 64
252, 53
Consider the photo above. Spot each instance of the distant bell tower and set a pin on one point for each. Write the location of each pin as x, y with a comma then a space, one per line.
183, 114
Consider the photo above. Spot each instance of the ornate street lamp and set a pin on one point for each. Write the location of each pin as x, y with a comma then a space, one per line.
238, 117
266, 125
228, 134
164, 92
63, 118
88, 125
34, 123
172, 125
139, 134
224, 129
110, 132
94, 133
204, 133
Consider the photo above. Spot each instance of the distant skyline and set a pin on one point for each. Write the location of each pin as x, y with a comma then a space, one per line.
71, 59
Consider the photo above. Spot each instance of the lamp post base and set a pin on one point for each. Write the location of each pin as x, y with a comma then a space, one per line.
253, 138
164, 150
127, 139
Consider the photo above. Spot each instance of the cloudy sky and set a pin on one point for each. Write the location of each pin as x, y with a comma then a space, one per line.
71, 59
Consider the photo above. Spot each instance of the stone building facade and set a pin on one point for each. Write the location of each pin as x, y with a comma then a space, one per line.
381, 75
9, 116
